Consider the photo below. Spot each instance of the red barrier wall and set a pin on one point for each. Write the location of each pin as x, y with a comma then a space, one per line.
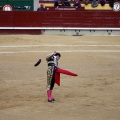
82, 18
22, 31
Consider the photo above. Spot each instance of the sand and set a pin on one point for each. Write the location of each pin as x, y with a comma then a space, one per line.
93, 95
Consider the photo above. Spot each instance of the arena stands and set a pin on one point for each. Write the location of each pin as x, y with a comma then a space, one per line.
87, 7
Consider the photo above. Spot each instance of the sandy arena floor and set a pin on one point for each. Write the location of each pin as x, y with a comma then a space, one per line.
93, 95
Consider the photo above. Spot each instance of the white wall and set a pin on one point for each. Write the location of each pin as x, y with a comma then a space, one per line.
36, 4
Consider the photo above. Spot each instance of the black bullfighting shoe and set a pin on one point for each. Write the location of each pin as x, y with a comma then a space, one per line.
51, 101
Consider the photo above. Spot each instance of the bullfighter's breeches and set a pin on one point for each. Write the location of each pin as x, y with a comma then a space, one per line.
50, 77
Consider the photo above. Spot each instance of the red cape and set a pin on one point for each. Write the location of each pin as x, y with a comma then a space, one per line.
57, 74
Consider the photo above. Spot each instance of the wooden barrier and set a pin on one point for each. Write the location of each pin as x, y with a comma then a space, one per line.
19, 31
61, 18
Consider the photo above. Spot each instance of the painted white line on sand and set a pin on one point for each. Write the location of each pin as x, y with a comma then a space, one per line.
57, 45
73, 51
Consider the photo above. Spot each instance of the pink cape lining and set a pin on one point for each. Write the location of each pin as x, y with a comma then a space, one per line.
57, 74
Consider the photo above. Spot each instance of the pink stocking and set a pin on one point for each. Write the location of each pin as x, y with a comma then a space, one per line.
49, 95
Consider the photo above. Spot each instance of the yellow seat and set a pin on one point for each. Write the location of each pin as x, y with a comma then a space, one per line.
99, 7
